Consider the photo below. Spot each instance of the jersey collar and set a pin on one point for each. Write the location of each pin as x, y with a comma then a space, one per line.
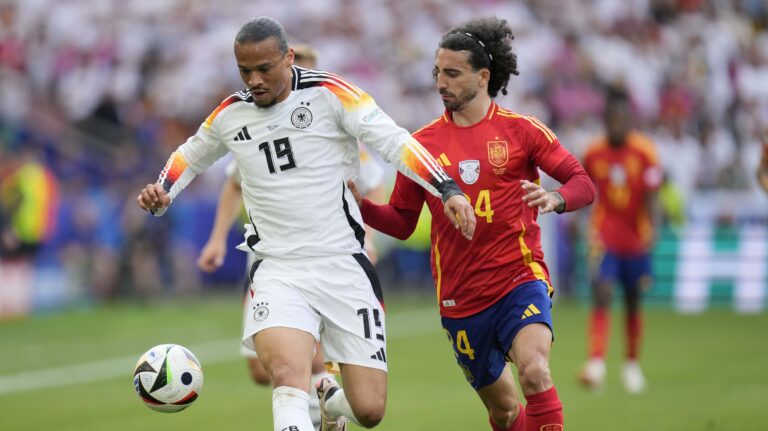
448, 118
295, 76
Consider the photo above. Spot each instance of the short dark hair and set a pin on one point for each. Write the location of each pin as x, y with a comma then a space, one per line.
261, 28
489, 42
616, 97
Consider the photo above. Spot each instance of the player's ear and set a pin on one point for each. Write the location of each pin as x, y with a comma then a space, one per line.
485, 77
289, 56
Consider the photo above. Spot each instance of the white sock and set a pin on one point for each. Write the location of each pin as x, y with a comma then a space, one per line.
338, 405
290, 409
314, 402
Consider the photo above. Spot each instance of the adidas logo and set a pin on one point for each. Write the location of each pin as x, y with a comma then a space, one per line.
443, 160
243, 135
380, 355
530, 311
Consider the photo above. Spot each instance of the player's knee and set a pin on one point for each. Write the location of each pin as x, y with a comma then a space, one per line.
258, 373
371, 414
534, 375
504, 417
282, 374
260, 377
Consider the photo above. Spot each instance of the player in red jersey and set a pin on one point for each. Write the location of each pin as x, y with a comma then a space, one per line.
624, 166
493, 292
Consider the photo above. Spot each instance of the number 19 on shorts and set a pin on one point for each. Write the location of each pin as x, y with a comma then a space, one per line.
371, 323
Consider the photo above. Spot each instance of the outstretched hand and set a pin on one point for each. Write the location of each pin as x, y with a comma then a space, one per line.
461, 214
536, 196
153, 197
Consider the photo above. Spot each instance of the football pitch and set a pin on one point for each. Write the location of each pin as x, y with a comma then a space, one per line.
73, 371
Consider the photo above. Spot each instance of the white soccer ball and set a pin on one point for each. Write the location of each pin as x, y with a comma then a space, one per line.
168, 378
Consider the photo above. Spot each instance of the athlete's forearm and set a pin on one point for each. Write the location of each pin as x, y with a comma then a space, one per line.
174, 178
227, 210
577, 188
417, 164
396, 222
408, 156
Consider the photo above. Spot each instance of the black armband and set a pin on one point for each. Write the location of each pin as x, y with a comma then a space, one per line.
448, 189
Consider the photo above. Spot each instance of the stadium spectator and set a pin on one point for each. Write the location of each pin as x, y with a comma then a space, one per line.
28, 206
140, 60
626, 171
494, 292
312, 281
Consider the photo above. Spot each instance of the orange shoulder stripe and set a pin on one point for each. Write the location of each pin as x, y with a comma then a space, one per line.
532, 120
428, 125
228, 101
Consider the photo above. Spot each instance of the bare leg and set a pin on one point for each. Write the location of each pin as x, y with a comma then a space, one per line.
364, 397
501, 400
286, 355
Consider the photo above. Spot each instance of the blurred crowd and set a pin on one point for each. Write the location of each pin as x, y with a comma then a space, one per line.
97, 94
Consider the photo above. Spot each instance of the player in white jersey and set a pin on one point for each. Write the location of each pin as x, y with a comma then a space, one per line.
229, 207
294, 136
213, 253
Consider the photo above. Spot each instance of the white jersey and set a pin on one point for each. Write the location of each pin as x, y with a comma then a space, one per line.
294, 159
367, 177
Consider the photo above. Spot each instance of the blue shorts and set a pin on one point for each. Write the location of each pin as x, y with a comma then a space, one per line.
625, 270
481, 341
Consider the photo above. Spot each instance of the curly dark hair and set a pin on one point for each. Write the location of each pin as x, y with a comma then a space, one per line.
489, 41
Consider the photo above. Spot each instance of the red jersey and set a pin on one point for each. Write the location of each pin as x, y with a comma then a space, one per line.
624, 175
487, 160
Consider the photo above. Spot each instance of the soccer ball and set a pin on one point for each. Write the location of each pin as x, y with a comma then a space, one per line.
168, 378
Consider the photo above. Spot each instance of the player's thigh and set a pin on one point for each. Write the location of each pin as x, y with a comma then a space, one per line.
530, 353
604, 279
255, 369
602, 293
277, 299
501, 395
365, 388
526, 306
609, 268
286, 354
533, 342
526, 331
280, 324
636, 278
347, 296
475, 346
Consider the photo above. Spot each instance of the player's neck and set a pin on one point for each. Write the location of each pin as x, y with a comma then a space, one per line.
473, 112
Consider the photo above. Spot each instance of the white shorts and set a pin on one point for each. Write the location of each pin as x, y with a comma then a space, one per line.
247, 312
337, 299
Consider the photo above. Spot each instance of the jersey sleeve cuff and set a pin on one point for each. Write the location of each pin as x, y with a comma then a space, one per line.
158, 212
449, 189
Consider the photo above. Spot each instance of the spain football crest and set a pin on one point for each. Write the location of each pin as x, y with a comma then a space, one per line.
469, 170
498, 153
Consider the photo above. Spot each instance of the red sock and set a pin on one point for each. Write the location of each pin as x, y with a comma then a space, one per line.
544, 411
517, 425
598, 332
634, 335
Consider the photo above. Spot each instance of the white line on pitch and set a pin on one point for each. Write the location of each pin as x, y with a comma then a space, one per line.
401, 325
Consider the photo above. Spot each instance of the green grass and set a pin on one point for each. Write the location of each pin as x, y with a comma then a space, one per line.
706, 372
